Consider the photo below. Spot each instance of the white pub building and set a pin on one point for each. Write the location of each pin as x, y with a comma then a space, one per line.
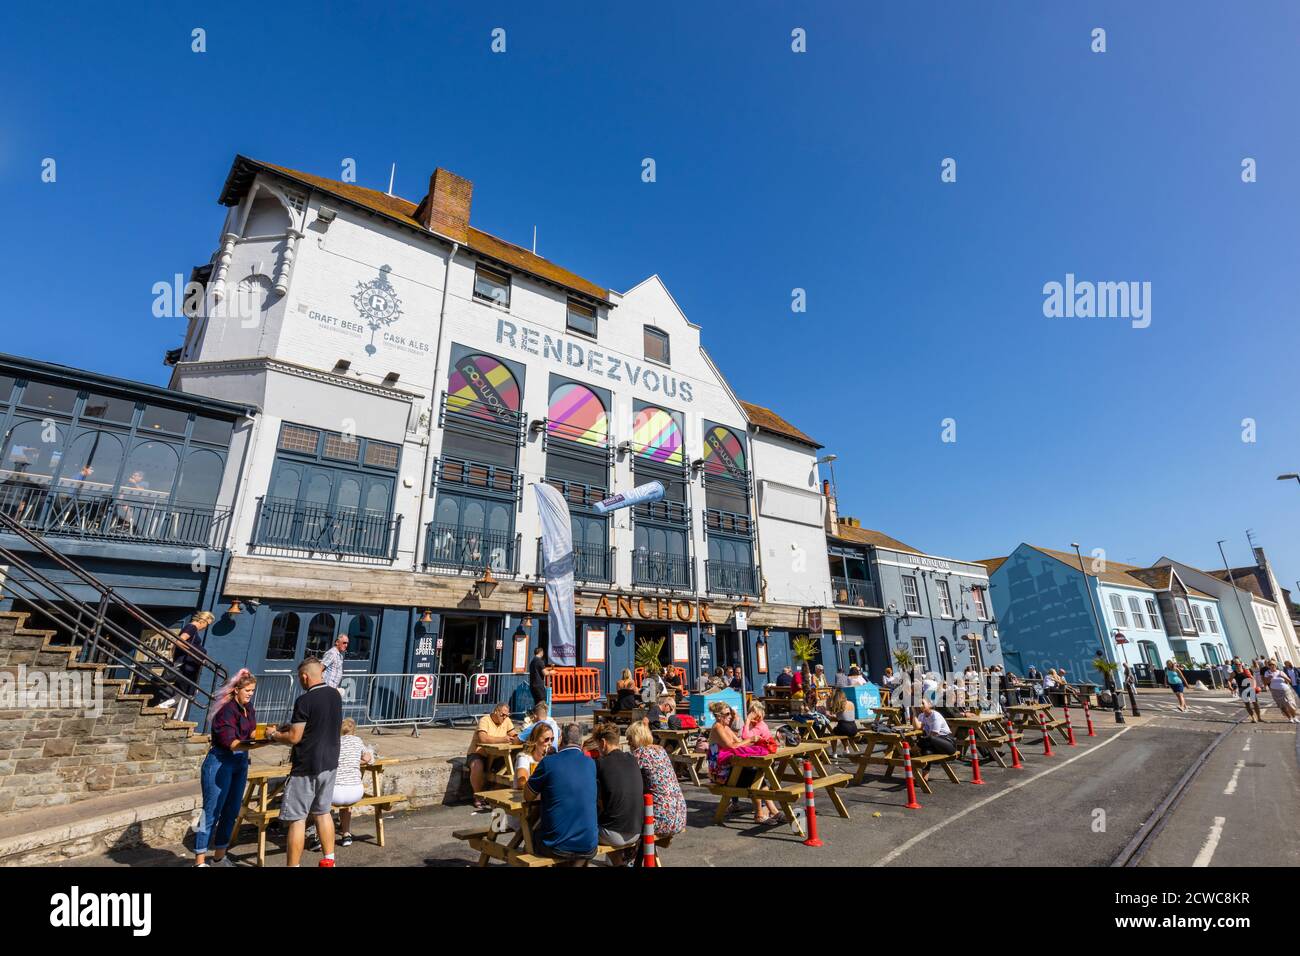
412, 376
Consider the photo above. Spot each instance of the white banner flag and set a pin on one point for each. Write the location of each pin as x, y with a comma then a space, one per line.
557, 562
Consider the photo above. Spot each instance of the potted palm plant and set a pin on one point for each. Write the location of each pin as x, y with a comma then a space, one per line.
804, 649
646, 657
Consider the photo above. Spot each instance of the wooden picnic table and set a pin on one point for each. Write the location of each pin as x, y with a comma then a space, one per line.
679, 752
779, 778
1027, 717
265, 787
778, 706
891, 755
516, 845
500, 762
894, 715
990, 735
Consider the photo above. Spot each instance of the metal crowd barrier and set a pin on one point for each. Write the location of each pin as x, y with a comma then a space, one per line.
378, 700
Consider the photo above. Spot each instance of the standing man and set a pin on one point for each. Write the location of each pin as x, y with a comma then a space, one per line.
332, 662
538, 671
314, 732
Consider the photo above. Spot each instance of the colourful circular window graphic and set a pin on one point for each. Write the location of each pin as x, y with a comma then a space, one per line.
576, 414
723, 452
657, 437
481, 386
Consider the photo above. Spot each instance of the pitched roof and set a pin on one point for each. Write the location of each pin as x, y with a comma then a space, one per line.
400, 210
991, 563
768, 420
1114, 573
1250, 579
848, 532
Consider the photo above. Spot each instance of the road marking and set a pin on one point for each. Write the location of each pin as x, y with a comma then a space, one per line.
908, 844
1211, 844
1231, 788
1247, 746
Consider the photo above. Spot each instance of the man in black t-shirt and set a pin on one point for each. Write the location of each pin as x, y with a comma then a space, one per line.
620, 792
538, 671
313, 730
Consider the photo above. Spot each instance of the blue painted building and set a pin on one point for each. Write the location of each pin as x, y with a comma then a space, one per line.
1056, 613
132, 482
892, 597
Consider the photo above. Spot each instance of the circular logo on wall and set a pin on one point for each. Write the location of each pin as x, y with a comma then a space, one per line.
377, 304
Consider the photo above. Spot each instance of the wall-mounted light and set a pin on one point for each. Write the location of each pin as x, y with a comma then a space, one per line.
426, 617
326, 215
537, 426
234, 608
391, 379
484, 586
341, 366
528, 623
624, 446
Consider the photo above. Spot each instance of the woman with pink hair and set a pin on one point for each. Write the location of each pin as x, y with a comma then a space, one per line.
225, 769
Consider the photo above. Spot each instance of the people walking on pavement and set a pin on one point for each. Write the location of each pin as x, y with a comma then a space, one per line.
1279, 685
1243, 681
332, 662
1177, 681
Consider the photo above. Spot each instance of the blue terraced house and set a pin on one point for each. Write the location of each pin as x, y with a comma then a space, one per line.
1056, 613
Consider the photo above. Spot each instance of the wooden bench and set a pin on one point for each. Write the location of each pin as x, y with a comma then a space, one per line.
921, 764
266, 785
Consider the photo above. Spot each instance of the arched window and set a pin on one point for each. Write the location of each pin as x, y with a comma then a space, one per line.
482, 386
577, 414
320, 634
200, 479
91, 465
250, 300
31, 453
724, 454
283, 642
361, 630
150, 472
656, 436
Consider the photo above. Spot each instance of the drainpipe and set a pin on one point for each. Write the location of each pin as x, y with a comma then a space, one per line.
425, 477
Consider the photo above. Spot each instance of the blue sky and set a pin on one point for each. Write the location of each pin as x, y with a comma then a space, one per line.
775, 170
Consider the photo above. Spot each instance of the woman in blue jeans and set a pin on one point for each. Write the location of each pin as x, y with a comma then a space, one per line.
226, 768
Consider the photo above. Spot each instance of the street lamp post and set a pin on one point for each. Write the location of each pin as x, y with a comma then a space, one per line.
1105, 650
1122, 642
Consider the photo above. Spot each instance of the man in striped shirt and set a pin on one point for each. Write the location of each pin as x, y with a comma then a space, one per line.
333, 662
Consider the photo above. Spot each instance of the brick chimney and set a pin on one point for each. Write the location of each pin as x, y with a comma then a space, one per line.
832, 510
445, 210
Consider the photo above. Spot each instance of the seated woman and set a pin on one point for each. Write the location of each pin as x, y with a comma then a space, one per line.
936, 736
725, 743
855, 676
660, 781
348, 788
845, 714
755, 726
627, 698
539, 744
540, 717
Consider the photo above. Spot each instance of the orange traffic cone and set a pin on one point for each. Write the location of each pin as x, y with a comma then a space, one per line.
1087, 716
1047, 737
1069, 727
810, 805
907, 773
648, 857
1015, 751
974, 759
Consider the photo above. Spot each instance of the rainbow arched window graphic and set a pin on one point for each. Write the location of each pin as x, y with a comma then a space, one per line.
656, 436
577, 414
723, 453
482, 386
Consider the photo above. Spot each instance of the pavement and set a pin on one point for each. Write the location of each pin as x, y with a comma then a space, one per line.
1079, 808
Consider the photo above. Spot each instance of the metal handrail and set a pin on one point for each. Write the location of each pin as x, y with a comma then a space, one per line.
102, 639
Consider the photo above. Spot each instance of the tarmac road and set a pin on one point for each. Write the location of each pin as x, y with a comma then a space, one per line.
1080, 808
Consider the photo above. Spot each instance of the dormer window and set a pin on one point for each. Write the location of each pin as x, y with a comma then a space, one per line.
656, 345
492, 285
582, 318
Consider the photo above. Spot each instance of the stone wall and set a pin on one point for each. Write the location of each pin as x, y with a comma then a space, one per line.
51, 755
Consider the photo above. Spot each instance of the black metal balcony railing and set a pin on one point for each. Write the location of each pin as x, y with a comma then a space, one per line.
671, 512
477, 474
124, 517
728, 577
453, 548
590, 565
294, 527
854, 593
577, 493
474, 414
727, 522
660, 570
